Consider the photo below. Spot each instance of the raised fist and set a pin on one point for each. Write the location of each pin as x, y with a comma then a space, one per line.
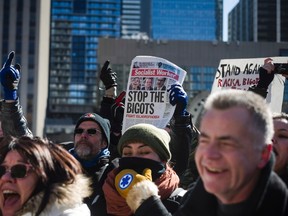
10, 77
108, 77
178, 97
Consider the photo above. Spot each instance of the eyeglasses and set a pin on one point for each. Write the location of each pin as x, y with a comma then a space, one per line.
16, 171
90, 131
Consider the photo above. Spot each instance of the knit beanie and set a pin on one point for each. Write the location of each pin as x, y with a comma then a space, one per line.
102, 122
158, 139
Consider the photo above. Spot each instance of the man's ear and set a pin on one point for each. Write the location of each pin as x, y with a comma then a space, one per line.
265, 155
104, 144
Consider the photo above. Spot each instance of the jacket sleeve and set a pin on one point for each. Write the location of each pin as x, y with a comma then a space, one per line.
260, 91
105, 108
13, 121
152, 207
184, 138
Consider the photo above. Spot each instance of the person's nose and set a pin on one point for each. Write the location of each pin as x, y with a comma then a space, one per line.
84, 135
212, 150
274, 140
6, 177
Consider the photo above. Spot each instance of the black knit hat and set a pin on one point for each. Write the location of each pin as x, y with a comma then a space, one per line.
102, 122
158, 139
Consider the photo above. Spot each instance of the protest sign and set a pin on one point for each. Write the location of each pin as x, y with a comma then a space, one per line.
242, 73
147, 99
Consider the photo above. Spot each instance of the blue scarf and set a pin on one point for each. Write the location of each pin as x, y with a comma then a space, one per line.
90, 163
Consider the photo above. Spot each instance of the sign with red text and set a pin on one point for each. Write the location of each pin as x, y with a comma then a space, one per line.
243, 73
147, 99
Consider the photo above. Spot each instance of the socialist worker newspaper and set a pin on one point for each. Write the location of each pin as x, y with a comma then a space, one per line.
147, 96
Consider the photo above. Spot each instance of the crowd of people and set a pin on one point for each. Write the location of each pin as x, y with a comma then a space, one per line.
235, 164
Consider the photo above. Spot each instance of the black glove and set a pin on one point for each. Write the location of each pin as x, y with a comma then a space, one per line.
178, 97
265, 78
10, 77
117, 110
108, 77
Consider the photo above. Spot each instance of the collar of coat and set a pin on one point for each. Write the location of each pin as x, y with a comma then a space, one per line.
62, 195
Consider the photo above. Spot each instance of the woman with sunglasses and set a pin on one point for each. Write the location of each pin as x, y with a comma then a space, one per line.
40, 178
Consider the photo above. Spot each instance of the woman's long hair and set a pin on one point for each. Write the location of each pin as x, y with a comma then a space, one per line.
50, 161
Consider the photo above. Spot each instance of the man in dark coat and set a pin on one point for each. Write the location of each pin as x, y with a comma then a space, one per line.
235, 163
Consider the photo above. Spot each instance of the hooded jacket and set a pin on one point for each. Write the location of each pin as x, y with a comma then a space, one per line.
65, 199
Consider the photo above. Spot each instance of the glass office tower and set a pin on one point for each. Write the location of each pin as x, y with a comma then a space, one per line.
76, 26
186, 19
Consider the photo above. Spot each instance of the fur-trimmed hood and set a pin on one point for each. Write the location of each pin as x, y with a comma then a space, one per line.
63, 197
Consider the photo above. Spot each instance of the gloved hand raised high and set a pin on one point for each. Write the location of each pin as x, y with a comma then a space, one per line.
10, 77
266, 74
107, 76
178, 97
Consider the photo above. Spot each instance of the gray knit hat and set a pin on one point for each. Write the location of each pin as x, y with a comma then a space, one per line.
158, 139
102, 122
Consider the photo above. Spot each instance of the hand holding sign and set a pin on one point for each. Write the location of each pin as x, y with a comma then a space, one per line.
178, 97
266, 74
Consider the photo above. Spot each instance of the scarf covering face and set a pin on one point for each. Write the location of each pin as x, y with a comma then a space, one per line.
139, 164
116, 204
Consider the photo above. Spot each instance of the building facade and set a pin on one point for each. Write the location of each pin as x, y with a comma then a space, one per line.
25, 29
76, 26
259, 20
186, 20
130, 18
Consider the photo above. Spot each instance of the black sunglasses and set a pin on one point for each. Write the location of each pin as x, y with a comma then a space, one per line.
91, 131
16, 171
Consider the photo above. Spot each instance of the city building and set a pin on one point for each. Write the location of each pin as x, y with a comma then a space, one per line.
24, 28
172, 20
186, 20
76, 26
259, 20
131, 18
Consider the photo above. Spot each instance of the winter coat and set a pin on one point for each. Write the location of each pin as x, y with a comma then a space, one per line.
184, 139
284, 176
65, 199
13, 121
96, 202
270, 197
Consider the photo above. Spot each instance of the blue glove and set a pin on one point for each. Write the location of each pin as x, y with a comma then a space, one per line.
178, 97
10, 77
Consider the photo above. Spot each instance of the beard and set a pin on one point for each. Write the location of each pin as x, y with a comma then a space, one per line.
84, 149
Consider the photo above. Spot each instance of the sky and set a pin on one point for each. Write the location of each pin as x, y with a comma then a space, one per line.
228, 5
